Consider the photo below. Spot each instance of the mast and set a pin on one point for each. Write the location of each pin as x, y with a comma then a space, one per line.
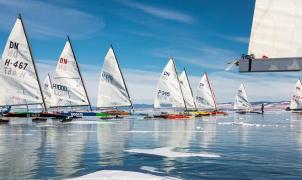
118, 65
49, 80
34, 65
190, 87
212, 93
179, 85
79, 73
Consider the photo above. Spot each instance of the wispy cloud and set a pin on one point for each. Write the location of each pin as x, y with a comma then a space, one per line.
239, 39
159, 12
203, 56
46, 20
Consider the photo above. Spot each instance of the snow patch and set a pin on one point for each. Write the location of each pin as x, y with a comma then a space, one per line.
168, 152
118, 175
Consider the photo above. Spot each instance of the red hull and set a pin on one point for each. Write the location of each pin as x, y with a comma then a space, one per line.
178, 116
172, 116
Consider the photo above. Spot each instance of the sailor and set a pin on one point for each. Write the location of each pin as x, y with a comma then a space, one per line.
262, 108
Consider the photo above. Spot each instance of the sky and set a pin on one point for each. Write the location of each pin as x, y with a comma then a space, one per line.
201, 35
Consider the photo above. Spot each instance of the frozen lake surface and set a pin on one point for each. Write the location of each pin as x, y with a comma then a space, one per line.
223, 147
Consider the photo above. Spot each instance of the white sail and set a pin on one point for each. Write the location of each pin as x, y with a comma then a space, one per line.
296, 101
186, 90
47, 91
241, 100
18, 78
168, 89
276, 29
205, 98
68, 87
112, 91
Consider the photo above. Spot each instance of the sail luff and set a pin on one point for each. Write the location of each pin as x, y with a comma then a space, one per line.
76, 61
118, 65
34, 64
212, 92
190, 88
179, 84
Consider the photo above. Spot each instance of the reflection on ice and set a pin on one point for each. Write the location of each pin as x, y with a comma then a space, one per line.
111, 144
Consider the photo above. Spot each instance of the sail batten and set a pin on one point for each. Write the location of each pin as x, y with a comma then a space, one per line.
18, 76
296, 100
68, 86
168, 89
241, 100
276, 29
112, 90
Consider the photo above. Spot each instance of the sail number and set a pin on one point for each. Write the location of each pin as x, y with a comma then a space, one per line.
16, 64
107, 77
166, 73
201, 100
296, 97
63, 61
163, 93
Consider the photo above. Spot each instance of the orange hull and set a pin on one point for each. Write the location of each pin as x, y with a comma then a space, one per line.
117, 112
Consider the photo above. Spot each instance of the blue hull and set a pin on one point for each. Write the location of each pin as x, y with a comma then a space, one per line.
85, 114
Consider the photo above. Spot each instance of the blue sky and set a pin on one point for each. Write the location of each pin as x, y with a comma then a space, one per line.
202, 35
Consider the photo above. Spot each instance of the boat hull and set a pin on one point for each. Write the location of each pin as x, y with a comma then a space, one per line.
173, 116
200, 113
214, 113
86, 114
34, 115
178, 116
117, 113
248, 112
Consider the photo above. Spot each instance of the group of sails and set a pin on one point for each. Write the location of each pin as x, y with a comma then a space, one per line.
20, 85
175, 92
